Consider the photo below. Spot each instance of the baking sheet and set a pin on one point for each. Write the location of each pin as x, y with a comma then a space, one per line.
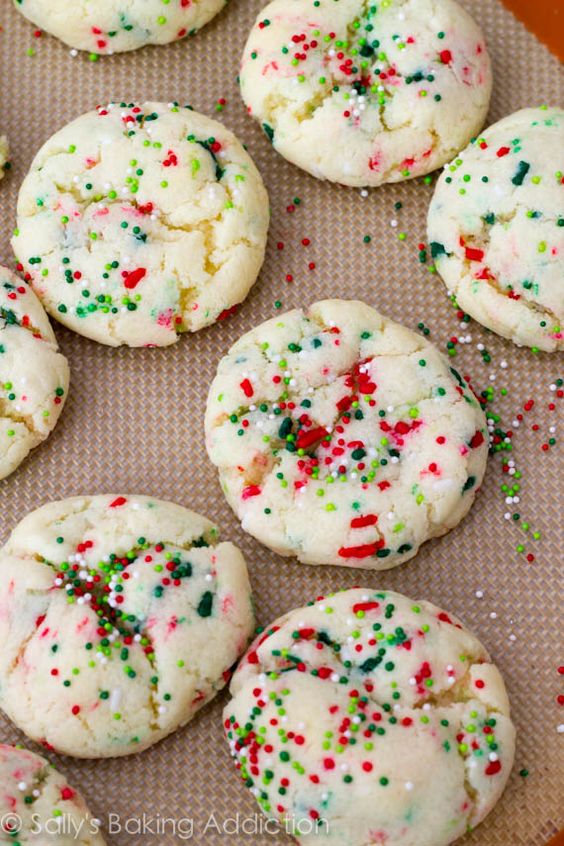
133, 422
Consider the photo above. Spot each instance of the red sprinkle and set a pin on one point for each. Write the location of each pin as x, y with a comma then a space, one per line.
132, 279
120, 500
247, 388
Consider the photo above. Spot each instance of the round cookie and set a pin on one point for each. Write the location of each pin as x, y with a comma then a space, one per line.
34, 376
109, 26
496, 228
364, 94
368, 718
344, 438
136, 223
37, 805
120, 617
4, 153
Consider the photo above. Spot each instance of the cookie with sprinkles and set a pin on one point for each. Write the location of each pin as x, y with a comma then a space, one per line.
109, 26
366, 93
344, 438
368, 718
34, 376
37, 804
496, 228
139, 222
4, 154
120, 617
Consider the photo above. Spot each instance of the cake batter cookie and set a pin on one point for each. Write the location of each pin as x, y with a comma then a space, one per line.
364, 94
120, 617
137, 223
37, 805
4, 153
366, 718
111, 26
496, 228
344, 438
34, 376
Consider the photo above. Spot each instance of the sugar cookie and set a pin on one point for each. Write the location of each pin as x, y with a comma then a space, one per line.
496, 228
364, 94
120, 617
34, 376
366, 718
37, 805
136, 223
109, 26
344, 438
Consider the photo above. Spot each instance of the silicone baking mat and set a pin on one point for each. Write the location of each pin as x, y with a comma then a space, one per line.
133, 422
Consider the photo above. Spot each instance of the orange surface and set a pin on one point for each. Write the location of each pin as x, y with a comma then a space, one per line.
557, 840
543, 17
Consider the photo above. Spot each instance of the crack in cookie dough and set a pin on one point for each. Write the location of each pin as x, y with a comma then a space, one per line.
137, 223
364, 93
113, 635
341, 710
47, 808
342, 438
496, 228
34, 376
114, 26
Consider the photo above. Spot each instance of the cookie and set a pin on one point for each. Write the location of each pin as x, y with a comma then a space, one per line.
368, 718
108, 26
4, 153
136, 223
37, 805
343, 438
364, 94
34, 376
120, 617
496, 228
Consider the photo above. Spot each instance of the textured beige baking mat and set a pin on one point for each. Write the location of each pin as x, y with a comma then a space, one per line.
133, 422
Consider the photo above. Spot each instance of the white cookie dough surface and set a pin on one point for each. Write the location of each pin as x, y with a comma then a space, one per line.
344, 438
364, 94
367, 718
120, 617
34, 376
114, 26
4, 154
496, 228
38, 806
136, 223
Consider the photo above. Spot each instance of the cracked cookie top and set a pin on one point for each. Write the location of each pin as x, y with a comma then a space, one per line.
37, 805
343, 438
34, 376
367, 718
138, 222
120, 616
112, 26
496, 228
364, 93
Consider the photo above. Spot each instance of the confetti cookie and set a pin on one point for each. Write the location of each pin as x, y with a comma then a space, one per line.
496, 228
366, 718
344, 438
364, 94
119, 618
109, 26
34, 376
37, 805
4, 153
136, 223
